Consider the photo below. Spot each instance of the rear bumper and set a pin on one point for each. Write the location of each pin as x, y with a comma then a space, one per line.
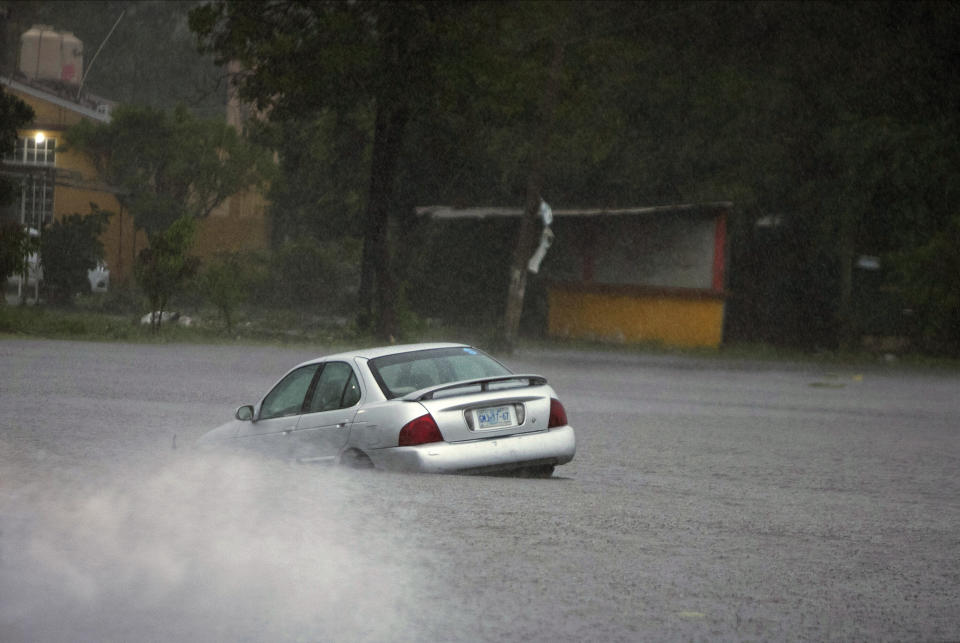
551, 447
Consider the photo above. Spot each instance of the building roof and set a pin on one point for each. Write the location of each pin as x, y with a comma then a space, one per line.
448, 212
98, 110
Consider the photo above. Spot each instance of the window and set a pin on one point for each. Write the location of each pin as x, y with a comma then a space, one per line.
336, 389
29, 151
288, 396
33, 204
407, 372
37, 200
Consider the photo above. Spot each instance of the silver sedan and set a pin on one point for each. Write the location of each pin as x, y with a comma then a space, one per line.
437, 408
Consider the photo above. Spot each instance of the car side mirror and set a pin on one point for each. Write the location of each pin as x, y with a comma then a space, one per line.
244, 413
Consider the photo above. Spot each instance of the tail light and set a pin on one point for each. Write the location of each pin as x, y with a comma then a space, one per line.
558, 415
421, 430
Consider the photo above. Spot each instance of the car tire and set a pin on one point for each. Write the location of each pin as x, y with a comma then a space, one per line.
542, 471
353, 459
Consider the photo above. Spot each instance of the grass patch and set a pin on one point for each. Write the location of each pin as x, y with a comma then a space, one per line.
99, 319
95, 322
78, 324
755, 352
37, 321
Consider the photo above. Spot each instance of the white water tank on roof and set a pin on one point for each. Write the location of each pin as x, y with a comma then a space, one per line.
48, 54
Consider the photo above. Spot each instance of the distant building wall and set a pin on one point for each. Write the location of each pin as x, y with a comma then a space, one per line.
76, 181
48, 55
640, 278
645, 274
240, 223
634, 315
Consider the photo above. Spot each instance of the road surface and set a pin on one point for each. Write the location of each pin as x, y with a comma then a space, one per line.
709, 499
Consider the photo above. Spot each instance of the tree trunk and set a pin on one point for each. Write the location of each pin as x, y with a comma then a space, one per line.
378, 300
847, 249
526, 236
377, 290
518, 264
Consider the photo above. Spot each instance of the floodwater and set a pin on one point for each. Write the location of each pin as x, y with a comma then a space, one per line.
709, 499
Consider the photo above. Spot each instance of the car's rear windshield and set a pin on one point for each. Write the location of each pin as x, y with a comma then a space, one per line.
407, 372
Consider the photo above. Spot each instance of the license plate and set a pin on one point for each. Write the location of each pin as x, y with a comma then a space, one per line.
494, 417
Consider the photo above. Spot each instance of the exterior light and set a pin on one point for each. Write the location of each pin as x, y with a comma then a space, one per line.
39, 138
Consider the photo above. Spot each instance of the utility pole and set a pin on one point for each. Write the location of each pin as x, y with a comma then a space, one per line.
527, 235
846, 241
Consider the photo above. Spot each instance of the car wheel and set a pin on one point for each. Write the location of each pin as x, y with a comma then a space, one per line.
543, 471
354, 459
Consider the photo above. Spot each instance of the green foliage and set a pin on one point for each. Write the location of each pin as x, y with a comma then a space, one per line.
14, 114
14, 247
376, 60
69, 247
227, 281
168, 165
163, 268
320, 277
120, 299
928, 279
319, 191
842, 117
459, 278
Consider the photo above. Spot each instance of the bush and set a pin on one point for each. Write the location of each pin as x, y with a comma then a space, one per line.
928, 280
318, 276
13, 248
68, 249
118, 300
164, 268
228, 280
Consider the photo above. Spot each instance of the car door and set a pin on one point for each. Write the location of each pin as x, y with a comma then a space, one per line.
279, 413
332, 403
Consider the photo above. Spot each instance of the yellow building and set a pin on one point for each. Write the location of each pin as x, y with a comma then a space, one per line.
632, 275
240, 223
55, 183
655, 274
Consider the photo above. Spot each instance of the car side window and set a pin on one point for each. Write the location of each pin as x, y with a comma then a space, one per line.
336, 389
351, 394
288, 395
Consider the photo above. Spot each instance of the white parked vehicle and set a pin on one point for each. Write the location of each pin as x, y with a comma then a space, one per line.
436, 408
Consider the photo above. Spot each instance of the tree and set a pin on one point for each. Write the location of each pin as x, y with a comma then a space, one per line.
164, 267
535, 186
374, 56
838, 116
841, 117
927, 275
14, 243
167, 165
14, 115
70, 247
322, 176
227, 282
14, 248
169, 169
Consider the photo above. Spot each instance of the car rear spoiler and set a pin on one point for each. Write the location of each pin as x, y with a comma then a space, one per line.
483, 382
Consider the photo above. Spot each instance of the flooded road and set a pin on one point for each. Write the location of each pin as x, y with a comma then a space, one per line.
709, 499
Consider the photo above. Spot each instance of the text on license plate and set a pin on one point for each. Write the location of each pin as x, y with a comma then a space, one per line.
494, 416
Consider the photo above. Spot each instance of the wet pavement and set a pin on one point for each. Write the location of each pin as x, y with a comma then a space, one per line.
709, 499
